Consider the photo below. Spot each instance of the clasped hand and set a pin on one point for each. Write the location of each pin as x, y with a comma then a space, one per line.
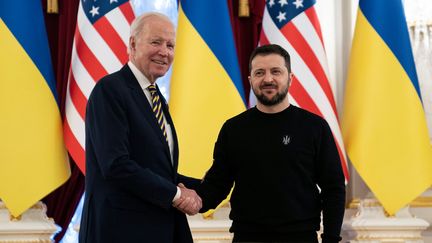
189, 201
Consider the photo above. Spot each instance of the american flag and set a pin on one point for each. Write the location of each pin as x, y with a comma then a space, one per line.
294, 25
99, 48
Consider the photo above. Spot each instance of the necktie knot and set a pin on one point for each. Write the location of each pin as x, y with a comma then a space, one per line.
152, 89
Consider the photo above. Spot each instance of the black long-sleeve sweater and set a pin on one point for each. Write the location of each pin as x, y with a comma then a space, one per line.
276, 162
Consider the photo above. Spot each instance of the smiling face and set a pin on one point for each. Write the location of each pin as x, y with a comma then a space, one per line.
269, 79
152, 48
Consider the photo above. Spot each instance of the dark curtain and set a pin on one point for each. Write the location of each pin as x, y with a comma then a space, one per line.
62, 202
246, 34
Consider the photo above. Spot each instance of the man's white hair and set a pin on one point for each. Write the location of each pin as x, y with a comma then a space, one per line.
139, 22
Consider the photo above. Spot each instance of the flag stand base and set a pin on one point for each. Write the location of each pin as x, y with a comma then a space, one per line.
32, 226
213, 228
372, 225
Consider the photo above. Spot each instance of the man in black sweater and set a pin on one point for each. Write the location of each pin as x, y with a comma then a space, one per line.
283, 161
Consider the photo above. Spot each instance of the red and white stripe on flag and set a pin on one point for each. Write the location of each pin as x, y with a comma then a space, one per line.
99, 48
294, 25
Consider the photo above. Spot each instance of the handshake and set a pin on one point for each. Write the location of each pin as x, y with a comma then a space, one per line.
189, 201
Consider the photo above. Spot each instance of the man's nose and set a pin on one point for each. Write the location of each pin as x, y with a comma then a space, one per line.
268, 77
163, 50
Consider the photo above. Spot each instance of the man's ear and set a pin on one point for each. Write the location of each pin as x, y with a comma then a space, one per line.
132, 43
291, 76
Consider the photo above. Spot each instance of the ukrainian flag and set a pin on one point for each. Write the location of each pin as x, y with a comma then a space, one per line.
33, 159
384, 124
206, 87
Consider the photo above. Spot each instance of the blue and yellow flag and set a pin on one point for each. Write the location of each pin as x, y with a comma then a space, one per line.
33, 159
206, 87
384, 124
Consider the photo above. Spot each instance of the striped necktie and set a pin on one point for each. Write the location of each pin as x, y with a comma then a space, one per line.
157, 109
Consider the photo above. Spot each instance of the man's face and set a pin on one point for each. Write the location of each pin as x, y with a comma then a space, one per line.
152, 50
269, 79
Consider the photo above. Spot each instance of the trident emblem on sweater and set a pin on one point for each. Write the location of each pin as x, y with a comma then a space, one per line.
286, 140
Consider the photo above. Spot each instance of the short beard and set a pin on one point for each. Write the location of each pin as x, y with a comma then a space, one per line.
278, 98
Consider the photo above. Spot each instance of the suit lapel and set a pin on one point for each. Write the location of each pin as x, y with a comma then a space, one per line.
145, 106
173, 131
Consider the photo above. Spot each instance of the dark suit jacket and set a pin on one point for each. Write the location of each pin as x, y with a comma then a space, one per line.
130, 179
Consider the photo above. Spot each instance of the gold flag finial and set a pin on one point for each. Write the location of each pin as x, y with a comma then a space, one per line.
52, 6
244, 8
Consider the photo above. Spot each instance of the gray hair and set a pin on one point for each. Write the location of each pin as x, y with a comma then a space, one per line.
139, 22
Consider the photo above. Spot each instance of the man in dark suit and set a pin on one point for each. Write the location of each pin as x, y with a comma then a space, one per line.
132, 151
